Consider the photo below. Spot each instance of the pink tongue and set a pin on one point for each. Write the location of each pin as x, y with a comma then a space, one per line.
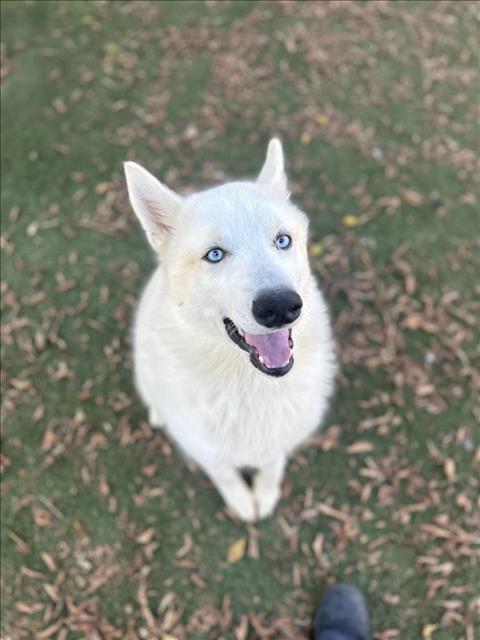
273, 348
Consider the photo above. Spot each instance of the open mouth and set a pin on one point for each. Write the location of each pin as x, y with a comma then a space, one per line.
271, 353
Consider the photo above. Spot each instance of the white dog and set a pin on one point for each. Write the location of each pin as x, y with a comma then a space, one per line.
232, 342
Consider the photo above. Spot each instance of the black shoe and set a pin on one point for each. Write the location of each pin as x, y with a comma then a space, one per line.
341, 615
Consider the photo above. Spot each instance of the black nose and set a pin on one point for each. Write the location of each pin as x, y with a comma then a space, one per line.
276, 307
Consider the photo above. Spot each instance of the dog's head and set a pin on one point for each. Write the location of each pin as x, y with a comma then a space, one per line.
235, 258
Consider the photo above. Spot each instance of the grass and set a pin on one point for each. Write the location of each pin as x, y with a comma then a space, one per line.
105, 530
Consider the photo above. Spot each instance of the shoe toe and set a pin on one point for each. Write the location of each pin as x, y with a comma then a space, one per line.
342, 610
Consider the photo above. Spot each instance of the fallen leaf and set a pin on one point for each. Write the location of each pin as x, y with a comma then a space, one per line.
463, 502
27, 608
49, 631
237, 550
49, 561
59, 105
21, 545
317, 545
350, 220
331, 512
146, 536
449, 469
52, 591
63, 149
322, 119
413, 198
103, 187
315, 249
119, 105
42, 517
427, 631
362, 446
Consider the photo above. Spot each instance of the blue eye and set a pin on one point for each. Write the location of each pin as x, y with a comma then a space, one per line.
214, 255
283, 241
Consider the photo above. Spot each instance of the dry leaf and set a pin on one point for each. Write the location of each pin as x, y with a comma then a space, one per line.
413, 198
27, 608
146, 536
317, 545
49, 561
21, 545
52, 591
449, 469
427, 631
350, 220
315, 249
331, 512
59, 105
322, 119
361, 446
119, 105
241, 630
237, 550
42, 517
49, 631
103, 187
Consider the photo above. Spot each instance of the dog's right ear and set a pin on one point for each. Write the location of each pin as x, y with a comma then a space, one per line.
156, 205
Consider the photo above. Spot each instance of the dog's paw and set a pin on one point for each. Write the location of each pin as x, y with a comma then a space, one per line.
155, 418
242, 504
266, 497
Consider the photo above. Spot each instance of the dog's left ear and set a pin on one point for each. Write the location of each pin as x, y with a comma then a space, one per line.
273, 170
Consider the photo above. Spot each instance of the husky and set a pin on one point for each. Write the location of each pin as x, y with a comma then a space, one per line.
233, 350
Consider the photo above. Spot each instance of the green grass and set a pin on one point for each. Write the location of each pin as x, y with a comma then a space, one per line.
372, 101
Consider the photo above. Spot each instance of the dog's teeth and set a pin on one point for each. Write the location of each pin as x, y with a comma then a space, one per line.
261, 360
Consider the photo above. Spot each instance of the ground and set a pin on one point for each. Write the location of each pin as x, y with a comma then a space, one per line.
106, 531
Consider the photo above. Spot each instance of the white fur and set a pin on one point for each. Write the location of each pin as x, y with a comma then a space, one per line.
221, 410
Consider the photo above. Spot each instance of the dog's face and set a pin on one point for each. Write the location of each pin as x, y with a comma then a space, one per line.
235, 259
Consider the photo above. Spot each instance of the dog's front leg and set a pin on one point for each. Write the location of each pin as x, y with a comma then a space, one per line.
267, 486
233, 490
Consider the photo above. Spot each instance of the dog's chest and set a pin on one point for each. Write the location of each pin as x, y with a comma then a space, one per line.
251, 423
